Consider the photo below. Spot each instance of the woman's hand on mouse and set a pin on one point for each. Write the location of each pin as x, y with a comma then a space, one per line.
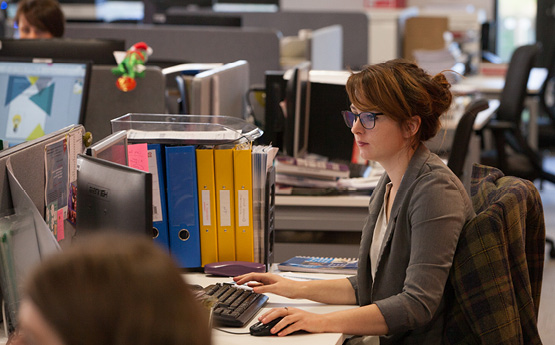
293, 320
270, 283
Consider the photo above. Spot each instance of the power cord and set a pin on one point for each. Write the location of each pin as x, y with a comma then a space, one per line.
229, 332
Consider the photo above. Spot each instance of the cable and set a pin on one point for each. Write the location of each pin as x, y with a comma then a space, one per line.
4, 317
235, 333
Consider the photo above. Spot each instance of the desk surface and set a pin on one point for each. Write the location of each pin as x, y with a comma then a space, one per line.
221, 338
474, 83
495, 84
482, 117
323, 201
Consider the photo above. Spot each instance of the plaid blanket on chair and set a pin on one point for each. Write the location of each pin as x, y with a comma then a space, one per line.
495, 281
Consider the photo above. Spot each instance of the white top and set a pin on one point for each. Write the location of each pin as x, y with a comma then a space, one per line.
379, 233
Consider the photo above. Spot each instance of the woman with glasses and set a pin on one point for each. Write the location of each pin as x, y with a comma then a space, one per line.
416, 214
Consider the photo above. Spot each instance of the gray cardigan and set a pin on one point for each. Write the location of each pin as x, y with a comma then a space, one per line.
428, 214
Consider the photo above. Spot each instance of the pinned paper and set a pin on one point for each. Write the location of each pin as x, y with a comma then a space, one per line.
137, 155
60, 234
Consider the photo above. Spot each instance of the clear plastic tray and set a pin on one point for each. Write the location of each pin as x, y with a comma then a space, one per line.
185, 129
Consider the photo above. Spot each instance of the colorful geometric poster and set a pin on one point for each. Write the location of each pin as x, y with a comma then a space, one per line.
29, 101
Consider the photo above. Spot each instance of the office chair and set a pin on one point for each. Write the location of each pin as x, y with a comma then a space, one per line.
493, 291
463, 132
512, 153
547, 103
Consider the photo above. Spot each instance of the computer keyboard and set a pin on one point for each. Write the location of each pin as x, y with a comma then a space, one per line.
235, 306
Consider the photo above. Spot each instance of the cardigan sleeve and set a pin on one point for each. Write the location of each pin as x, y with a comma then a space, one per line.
433, 214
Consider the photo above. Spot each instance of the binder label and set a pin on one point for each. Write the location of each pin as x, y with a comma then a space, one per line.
156, 199
243, 207
225, 212
205, 204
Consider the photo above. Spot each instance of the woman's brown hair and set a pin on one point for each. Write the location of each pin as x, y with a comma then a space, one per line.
45, 15
400, 89
120, 290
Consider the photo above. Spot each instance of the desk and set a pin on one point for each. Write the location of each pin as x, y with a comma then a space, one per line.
318, 225
221, 338
492, 86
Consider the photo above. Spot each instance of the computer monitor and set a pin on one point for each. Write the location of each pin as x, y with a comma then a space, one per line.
37, 98
221, 90
297, 114
246, 5
112, 197
99, 51
155, 10
181, 16
273, 125
112, 148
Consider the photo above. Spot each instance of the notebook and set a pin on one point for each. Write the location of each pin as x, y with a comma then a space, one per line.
320, 265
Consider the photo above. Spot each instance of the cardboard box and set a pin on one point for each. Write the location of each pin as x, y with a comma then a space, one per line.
424, 33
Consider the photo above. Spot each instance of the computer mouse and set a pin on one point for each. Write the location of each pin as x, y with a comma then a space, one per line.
233, 268
259, 329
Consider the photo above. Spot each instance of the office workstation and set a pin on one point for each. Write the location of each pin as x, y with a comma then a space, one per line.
312, 225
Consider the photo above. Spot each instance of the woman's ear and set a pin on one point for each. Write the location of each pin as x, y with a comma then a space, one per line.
412, 126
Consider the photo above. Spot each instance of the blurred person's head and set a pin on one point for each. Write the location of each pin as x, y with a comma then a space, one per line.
111, 290
39, 19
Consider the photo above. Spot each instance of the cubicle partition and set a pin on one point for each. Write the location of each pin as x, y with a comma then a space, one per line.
28, 163
181, 44
354, 24
107, 102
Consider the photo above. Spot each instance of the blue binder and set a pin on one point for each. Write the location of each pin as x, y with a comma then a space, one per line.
183, 213
159, 209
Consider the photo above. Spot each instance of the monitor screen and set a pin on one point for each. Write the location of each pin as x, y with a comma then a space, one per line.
297, 114
112, 197
40, 98
99, 51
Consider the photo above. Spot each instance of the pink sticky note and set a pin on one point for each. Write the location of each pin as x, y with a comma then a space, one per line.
60, 225
138, 156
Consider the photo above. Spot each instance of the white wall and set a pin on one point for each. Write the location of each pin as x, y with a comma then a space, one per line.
487, 5
357, 5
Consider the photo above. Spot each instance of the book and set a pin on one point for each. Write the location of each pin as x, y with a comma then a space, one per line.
316, 264
311, 168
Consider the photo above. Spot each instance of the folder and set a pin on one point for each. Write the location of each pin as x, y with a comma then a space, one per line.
242, 178
159, 209
183, 221
225, 203
207, 206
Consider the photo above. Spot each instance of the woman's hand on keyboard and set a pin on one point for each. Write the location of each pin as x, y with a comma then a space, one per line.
272, 283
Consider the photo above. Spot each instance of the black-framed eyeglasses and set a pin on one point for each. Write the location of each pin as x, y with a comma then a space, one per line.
367, 119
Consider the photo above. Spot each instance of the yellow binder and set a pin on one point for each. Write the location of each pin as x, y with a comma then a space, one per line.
244, 236
207, 206
225, 203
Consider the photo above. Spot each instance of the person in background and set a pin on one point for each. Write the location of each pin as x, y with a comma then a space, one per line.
39, 19
110, 289
416, 214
